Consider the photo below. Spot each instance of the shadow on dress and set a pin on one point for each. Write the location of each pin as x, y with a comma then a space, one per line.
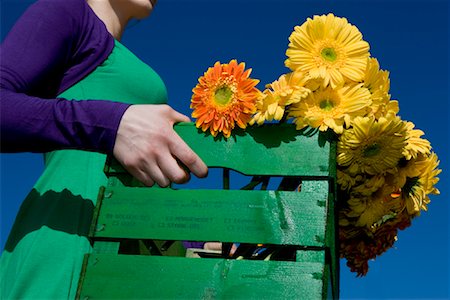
61, 211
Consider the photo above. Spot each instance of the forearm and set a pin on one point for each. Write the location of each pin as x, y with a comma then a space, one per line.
31, 124
52, 46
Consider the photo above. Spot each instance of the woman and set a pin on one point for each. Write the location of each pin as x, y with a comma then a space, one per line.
68, 83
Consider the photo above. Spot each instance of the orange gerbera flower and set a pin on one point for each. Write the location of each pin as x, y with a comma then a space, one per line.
223, 97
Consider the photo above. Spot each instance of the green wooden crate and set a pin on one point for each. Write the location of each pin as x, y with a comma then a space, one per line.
304, 220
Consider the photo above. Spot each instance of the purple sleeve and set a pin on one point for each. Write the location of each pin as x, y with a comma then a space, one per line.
196, 245
45, 47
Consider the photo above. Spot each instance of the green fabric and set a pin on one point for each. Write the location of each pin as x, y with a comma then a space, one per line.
43, 255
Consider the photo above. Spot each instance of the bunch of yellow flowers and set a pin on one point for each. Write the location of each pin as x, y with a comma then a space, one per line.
386, 170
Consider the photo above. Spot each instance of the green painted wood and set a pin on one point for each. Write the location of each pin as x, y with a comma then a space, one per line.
333, 242
311, 255
152, 277
330, 290
106, 247
305, 218
272, 217
273, 149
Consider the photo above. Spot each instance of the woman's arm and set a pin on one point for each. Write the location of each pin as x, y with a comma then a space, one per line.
34, 63
35, 57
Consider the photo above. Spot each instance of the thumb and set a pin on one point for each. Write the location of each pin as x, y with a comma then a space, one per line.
178, 117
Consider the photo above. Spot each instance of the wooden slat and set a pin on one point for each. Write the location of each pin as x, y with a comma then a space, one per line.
330, 289
152, 277
273, 149
288, 218
332, 239
106, 247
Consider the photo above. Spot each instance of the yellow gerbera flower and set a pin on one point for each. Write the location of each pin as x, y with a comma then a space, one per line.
372, 146
346, 181
356, 206
414, 143
331, 108
369, 186
288, 89
223, 97
374, 210
377, 82
406, 169
330, 48
416, 189
388, 109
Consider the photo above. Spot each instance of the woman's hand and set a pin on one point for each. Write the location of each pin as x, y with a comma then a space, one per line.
149, 148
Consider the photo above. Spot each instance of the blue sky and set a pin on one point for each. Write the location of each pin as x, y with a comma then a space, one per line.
409, 38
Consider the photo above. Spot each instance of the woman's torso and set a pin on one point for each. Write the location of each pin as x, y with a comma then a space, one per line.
45, 249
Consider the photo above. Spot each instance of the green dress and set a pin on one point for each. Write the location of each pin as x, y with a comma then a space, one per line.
43, 255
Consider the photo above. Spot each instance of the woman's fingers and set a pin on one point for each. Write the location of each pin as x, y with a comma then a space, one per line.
188, 157
142, 177
183, 152
155, 172
146, 141
174, 171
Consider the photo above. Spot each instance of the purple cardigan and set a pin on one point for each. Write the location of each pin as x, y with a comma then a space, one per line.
52, 46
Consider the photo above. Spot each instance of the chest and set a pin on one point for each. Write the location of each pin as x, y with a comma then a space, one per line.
121, 77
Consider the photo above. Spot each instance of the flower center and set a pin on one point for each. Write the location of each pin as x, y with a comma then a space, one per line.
326, 105
371, 150
329, 54
222, 96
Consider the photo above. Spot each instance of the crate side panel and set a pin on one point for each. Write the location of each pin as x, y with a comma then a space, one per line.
133, 277
290, 218
275, 149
